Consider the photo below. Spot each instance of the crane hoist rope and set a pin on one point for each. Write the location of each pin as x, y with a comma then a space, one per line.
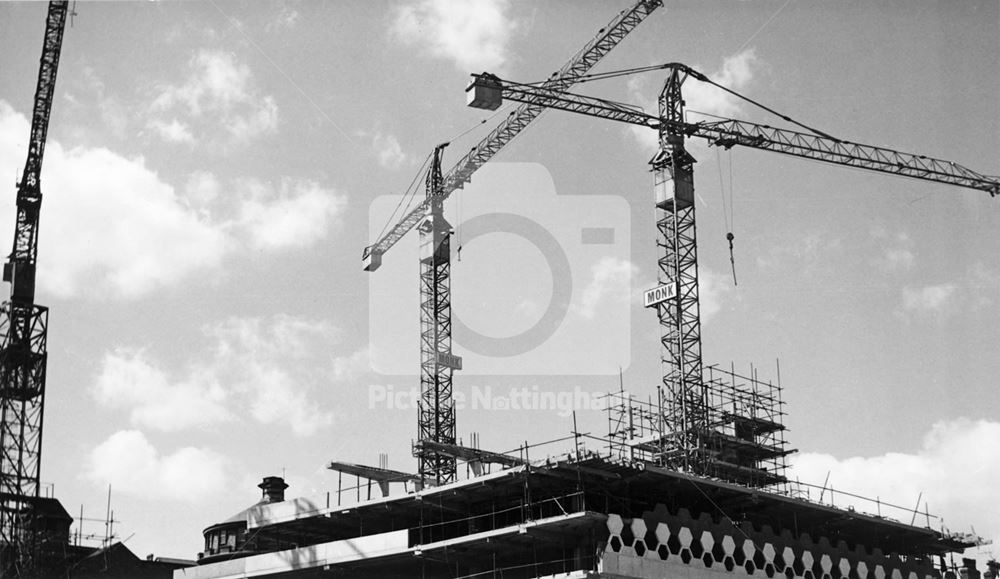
407, 198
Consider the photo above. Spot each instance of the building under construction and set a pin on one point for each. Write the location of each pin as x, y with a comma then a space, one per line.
689, 483
610, 510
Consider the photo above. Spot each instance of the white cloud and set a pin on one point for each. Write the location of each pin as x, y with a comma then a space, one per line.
131, 464
471, 33
286, 19
129, 379
116, 229
264, 364
984, 282
219, 92
897, 254
296, 214
390, 154
736, 73
202, 189
172, 132
808, 251
386, 147
933, 299
955, 471
112, 110
269, 371
113, 226
611, 280
348, 367
713, 289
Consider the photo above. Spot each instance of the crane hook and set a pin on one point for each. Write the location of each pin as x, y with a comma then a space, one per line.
732, 259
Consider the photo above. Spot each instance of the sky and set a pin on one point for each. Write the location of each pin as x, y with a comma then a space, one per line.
214, 170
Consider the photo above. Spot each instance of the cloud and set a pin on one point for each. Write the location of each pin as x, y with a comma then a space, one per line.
110, 225
984, 283
736, 73
131, 464
111, 110
386, 147
172, 132
348, 367
265, 365
202, 189
390, 154
808, 251
269, 371
295, 214
219, 93
713, 289
897, 254
933, 299
129, 379
286, 19
955, 471
611, 280
473, 34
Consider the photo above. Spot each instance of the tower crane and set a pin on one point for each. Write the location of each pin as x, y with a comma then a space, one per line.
686, 412
23, 334
436, 416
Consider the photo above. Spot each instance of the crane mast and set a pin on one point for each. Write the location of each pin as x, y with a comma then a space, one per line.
23, 331
436, 414
686, 410
683, 441
436, 411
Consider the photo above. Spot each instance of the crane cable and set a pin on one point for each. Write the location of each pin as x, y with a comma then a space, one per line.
727, 214
407, 197
697, 75
458, 251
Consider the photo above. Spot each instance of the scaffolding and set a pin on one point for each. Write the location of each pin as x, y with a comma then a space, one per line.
743, 441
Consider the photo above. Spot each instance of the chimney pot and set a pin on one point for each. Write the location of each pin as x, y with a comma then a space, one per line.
273, 488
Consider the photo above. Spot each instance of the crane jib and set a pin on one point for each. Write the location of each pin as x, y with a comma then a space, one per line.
732, 132
606, 39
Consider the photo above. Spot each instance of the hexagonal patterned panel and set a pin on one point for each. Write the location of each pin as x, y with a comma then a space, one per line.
862, 570
707, 540
638, 528
788, 556
729, 545
662, 533
826, 564
615, 524
684, 536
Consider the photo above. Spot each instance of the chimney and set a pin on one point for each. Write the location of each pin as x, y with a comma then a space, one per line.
273, 488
